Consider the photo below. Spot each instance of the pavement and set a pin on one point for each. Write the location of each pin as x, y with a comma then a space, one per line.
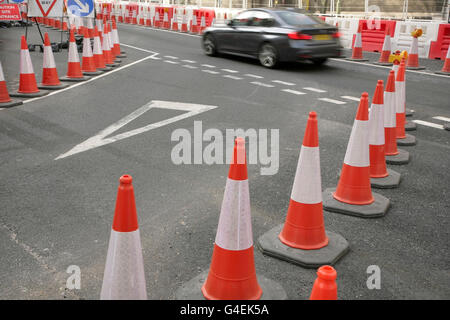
58, 212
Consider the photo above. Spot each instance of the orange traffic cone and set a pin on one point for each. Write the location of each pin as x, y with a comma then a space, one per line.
116, 41
380, 176
27, 83
413, 55
5, 99
73, 65
174, 24
90, 27
109, 59
402, 125
446, 68
88, 63
124, 277
303, 240
357, 52
325, 287
232, 274
393, 155
111, 45
386, 50
353, 195
50, 80
184, 26
99, 59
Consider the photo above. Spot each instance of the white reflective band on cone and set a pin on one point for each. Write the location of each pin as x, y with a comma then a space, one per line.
387, 43
49, 61
400, 96
87, 50
2, 77
395, 68
357, 154
97, 46
106, 46
115, 36
307, 186
26, 66
110, 40
124, 276
358, 41
235, 227
376, 125
389, 110
414, 46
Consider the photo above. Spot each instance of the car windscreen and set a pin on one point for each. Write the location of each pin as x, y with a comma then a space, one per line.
298, 19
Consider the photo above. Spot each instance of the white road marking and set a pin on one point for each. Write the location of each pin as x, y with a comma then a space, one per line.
229, 70
253, 76
90, 80
210, 71
188, 61
100, 139
332, 101
283, 82
2, 109
172, 62
351, 98
232, 77
293, 91
170, 57
442, 118
208, 66
189, 66
314, 89
140, 49
429, 124
262, 84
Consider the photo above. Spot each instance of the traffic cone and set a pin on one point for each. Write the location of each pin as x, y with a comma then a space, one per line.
99, 24
174, 25
165, 24
124, 277
303, 239
64, 24
353, 195
446, 68
74, 72
116, 41
232, 274
99, 59
402, 137
386, 50
413, 55
5, 99
194, 27
50, 80
90, 28
393, 155
325, 287
27, 83
202, 24
107, 55
357, 52
88, 63
184, 27
111, 45
380, 176
395, 67
156, 19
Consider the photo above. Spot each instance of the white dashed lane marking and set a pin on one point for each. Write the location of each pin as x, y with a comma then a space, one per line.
314, 89
232, 77
293, 91
208, 66
253, 76
351, 98
332, 101
189, 66
229, 70
170, 57
283, 82
188, 61
262, 84
429, 124
172, 62
210, 71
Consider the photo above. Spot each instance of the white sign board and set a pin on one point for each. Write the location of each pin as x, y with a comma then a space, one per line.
45, 8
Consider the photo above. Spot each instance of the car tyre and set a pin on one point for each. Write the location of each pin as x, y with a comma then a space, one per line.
268, 56
209, 45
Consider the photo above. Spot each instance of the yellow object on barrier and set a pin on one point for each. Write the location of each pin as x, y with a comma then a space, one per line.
417, 33
397, 56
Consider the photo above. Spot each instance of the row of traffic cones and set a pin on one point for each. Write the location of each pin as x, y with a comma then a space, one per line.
413, 54
103, 58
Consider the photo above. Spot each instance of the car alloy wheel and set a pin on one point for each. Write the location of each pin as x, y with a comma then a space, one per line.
268, 56
209, 46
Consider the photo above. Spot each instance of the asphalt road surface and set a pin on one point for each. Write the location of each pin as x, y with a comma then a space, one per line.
55, 213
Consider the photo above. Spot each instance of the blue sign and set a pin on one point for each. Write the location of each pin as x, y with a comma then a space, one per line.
17, 1
80, 8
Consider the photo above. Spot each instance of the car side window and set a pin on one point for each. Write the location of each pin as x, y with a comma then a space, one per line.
262, 19
243, 19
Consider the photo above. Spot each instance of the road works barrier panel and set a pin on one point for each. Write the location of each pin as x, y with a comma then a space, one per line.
403, 38
372, 33
439, 47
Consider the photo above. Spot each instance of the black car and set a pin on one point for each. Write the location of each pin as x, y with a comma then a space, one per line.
274, 35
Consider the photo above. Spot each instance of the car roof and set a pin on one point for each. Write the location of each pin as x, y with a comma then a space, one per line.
278, 9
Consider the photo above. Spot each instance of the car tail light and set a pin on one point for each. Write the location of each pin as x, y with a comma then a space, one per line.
299, 36
336, 35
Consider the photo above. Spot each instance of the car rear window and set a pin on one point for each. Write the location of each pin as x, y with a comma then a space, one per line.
296, 19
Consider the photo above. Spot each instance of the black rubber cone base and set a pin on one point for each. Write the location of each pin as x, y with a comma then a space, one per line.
389, 182
65, 78
113, 65
12, 103
408, 141
447, 126
191, 290
92, 73
270, 245
57, 87
359, 60
401, 158
29, 95
409, 112
443, 73
416, 68
376, 209
383, 63
410, 126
